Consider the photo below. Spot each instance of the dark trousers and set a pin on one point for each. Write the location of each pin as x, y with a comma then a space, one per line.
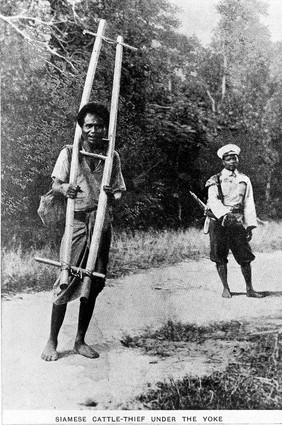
223, 239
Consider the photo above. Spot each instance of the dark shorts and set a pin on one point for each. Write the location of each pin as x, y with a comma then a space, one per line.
223, 239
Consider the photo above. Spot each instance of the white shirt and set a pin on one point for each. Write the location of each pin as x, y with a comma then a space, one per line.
88, 180
237, 191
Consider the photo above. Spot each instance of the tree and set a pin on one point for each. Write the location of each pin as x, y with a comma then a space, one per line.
179, 101
247, 110
51, 90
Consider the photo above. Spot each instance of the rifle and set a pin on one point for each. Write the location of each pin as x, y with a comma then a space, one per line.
201, 203
204, 207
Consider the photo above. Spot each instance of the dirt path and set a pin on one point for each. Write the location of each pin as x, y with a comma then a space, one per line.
188, 292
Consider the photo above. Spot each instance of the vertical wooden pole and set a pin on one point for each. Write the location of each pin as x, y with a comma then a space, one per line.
102, 202
66, 254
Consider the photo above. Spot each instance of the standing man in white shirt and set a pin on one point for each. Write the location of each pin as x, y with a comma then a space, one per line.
231, 201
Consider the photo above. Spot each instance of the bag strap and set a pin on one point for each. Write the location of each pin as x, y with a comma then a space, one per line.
220, 193
69, 153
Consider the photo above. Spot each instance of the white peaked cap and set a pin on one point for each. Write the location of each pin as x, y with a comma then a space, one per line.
228, 150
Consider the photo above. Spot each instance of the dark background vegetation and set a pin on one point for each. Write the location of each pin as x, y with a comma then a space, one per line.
179, 102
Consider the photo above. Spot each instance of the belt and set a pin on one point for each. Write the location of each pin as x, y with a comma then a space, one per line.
82, 215
237, 209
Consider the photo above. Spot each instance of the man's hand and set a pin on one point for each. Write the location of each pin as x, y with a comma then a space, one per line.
229, 220
249, 233
109, 193
69, 190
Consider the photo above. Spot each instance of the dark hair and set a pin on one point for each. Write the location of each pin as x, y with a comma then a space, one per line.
93, 108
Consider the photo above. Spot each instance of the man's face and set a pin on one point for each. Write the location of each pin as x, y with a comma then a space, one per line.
230, 162
94, 130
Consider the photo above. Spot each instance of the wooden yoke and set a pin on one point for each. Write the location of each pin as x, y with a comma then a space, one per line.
66, 252
102, 202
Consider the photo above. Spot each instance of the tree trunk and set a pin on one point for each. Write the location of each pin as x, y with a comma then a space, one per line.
212, 100
223, 84
268, 186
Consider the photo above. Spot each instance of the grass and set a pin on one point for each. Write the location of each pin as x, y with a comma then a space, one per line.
130, 252
21, 273
268, 237
156, 342
252, 381
143, 250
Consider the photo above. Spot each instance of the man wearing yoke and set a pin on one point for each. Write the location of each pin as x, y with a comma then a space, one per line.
93, 119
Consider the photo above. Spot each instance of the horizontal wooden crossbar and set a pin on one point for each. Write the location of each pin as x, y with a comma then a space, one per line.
109, 40
95, 155
73, 268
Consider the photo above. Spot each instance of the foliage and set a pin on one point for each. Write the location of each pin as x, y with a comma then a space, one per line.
250, 109
150, 341
251, 381
179, 102
131, 252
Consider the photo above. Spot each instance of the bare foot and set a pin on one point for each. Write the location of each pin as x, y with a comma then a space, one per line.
226, 293
254, 294
85, 350
50, 352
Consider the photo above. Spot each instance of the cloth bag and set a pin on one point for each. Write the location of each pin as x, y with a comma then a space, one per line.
52, 208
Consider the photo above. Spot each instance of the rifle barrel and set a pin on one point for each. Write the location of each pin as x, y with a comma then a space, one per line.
201, 203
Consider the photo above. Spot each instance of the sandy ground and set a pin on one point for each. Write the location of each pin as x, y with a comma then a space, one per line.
189, 292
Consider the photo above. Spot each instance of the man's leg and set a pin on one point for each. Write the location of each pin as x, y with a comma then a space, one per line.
219, 252
59, 310
57, 318
222, 272
85, 314
86, 309
247, 273
243, 254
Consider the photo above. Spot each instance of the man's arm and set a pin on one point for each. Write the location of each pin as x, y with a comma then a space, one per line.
112, 196
117, 196
215, 204
217, 207
249, 233
60, 176
250, 216
66, 189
